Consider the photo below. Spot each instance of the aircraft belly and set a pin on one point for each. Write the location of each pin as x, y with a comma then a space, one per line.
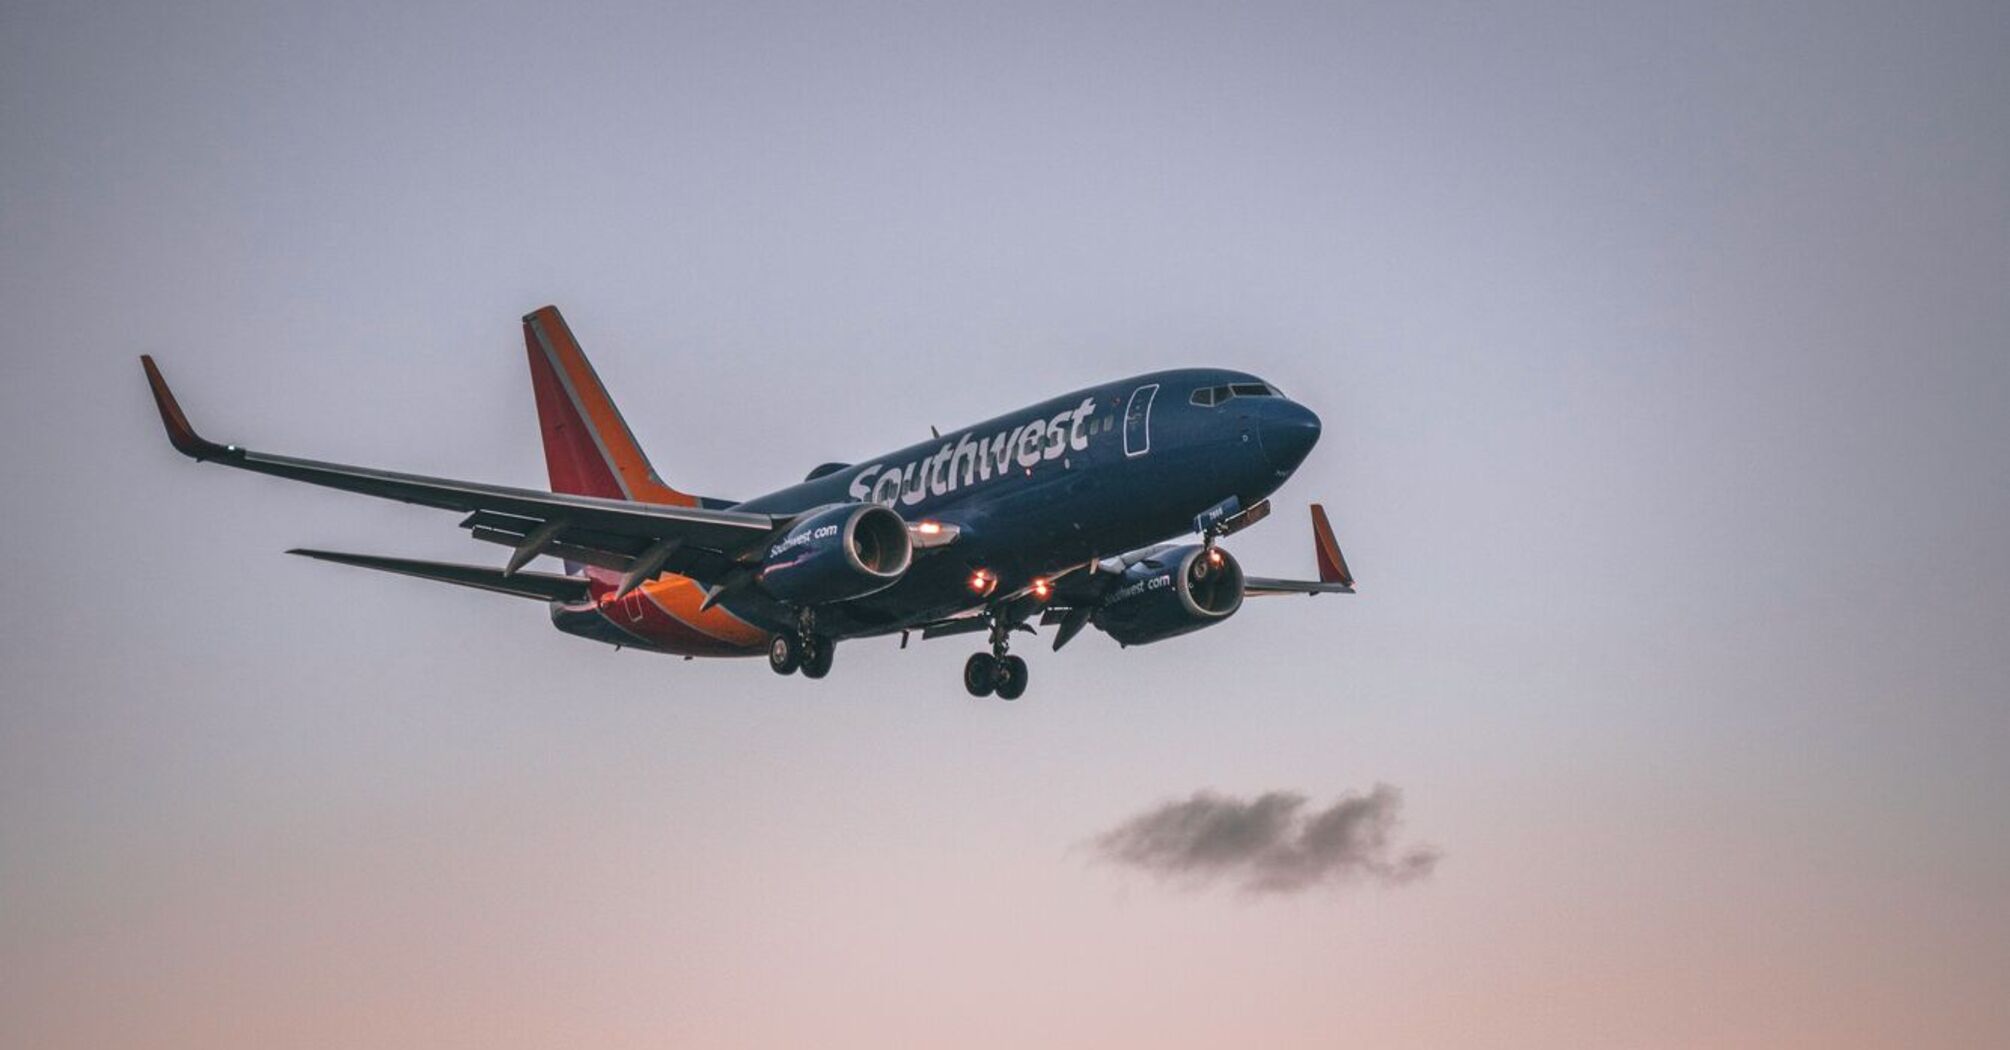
664, 615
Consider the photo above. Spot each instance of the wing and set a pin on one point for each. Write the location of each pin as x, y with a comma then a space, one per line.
1334, 576
1264, 586
641, 539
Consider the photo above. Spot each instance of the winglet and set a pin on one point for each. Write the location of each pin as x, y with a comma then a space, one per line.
180, 434
1332, 565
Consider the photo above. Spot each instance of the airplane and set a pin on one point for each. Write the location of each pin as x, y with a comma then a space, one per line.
1101, 507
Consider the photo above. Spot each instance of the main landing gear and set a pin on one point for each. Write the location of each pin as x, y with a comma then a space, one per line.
984, 674
995, 671
792, 651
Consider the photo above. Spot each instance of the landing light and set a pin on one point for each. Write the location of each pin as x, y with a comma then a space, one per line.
1042, 588
1213, 556
982, 581
929, 528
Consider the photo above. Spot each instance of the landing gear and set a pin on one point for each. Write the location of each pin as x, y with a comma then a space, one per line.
817, 654
802, 649
790, 651
980, 674
1011, 678
785, 653
984, 674
996, 671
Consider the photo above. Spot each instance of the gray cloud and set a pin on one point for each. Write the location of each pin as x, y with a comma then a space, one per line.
1271, 843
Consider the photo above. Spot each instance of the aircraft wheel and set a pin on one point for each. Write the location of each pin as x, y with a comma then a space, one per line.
980, 674
818, 652
1011, 678
785, 653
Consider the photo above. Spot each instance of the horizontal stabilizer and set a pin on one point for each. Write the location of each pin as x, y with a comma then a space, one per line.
540, 585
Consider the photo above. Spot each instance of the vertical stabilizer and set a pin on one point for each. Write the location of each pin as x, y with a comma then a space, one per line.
588, 447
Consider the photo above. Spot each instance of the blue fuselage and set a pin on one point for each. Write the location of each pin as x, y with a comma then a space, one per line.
1086, 475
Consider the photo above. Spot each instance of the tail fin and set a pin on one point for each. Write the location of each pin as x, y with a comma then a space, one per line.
588, 447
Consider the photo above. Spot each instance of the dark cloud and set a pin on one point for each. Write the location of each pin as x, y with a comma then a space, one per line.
1271, 843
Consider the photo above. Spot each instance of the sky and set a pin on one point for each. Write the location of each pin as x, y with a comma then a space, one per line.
1663, 354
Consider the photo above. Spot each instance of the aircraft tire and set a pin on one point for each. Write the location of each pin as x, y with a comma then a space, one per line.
980, 674
785, 653
818, 652
1012, 675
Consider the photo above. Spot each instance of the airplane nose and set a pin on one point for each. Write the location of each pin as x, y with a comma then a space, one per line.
1288, 430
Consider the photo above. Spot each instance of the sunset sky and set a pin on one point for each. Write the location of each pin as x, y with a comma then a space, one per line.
1663, 353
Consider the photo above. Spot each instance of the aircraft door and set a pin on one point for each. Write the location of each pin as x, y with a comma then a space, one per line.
1138, 420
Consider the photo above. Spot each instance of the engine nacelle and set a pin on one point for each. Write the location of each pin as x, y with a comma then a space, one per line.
837, 553
1172, 592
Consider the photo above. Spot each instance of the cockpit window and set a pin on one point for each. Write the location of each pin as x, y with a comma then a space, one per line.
1215, 395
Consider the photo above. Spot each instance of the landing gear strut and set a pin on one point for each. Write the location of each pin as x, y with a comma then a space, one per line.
996, 671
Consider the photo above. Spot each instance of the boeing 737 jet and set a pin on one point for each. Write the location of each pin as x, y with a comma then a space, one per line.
1097, 508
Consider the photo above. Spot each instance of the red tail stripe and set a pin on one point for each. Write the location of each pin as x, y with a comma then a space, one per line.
598, 432
570, 457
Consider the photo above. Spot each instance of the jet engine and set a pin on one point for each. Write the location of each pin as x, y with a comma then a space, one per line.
837, 553
1171, 593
